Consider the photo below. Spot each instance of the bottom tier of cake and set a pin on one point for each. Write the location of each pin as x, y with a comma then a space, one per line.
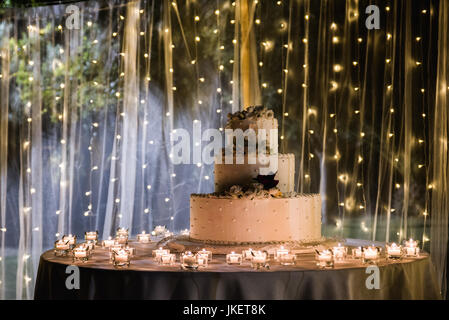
255, 220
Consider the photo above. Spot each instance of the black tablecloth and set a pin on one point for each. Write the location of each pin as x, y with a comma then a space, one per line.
144, 279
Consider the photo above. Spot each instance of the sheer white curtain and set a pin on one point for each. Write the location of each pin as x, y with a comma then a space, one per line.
440, 152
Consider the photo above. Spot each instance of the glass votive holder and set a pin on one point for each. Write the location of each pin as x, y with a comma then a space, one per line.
411, 251
259, 259
121, 258
208, 253
247, 254
71, 239
80, 254
122, 232
371, 255
62, 248
114, 248
202, 259
234, 258
411, 248
166, 259
157, 252
357, 253
280, 251
108, 242
393, 251
288, 259
325, 259
122, 239
144, 237
189, 260
91, 236
90, 251
340, 252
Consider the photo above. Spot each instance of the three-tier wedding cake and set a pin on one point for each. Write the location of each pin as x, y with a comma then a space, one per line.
250, 207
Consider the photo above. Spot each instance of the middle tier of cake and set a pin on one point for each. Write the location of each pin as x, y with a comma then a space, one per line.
228, 175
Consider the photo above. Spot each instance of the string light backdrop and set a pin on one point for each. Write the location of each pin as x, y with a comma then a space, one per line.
86, 114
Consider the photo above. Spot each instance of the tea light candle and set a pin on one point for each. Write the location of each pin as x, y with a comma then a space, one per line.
62, 245
259, 257
370, 254
61, 248
206, 253
339, 252
287, 259
122, 255
202, 260
234, 258
357, 253
121, 258
394, 251
80, 254
281, 251
167, 259
411, 248
88, 247
143, 237
160, 251
109, 242
91, 235
189, 260
411, 252
325, 259
70, 238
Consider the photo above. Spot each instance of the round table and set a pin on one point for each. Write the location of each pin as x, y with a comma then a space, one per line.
410, 278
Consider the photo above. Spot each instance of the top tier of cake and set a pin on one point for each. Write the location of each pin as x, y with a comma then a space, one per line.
244, 171
255, 118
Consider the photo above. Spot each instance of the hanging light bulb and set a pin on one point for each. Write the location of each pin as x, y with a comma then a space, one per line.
337, 68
